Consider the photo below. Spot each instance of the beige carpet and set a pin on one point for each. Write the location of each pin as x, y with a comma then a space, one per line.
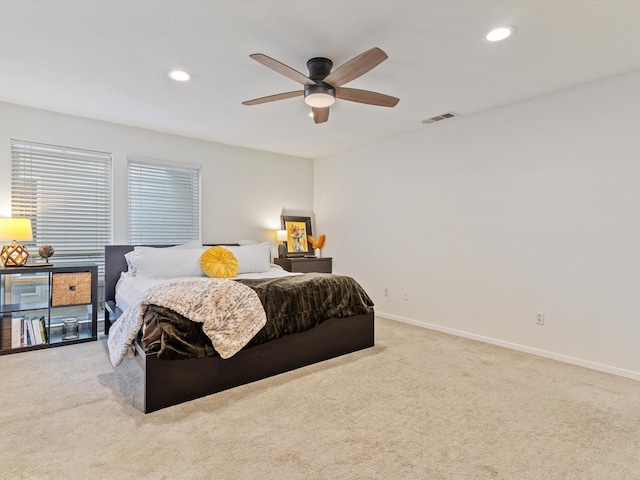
419, 405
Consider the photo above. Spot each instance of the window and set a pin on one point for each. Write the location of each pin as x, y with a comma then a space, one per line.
164, 202
66, 192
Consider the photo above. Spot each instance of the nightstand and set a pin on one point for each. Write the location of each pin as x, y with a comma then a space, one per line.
304, 264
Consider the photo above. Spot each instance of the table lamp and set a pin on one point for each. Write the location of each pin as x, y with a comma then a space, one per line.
281, 236
15, 229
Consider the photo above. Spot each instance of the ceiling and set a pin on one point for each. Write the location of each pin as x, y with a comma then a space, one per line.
109, 60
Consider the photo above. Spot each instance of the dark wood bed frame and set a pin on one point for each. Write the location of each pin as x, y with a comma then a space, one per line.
170, 382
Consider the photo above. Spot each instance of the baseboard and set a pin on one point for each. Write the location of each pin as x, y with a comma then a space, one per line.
514, 346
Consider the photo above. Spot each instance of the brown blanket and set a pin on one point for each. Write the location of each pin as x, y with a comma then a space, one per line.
292, 304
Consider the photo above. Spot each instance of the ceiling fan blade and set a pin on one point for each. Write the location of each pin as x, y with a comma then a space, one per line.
282, 69
273, 98
320, 115
356, 67
365, 96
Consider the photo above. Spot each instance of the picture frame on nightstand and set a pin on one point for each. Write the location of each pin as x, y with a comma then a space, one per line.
297, 228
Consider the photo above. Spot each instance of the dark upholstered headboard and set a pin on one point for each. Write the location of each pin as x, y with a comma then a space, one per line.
114, 265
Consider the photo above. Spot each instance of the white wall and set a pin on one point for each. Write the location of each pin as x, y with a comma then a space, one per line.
485, 220
242, 189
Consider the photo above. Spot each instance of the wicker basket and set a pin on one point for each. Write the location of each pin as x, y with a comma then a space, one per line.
70, 289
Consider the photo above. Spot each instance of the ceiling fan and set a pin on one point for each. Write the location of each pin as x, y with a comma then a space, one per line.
322, 86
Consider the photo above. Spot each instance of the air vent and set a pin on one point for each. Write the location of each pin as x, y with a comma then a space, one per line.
439, 118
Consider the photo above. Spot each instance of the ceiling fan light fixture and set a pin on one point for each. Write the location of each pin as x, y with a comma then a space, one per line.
319, 99
323, 86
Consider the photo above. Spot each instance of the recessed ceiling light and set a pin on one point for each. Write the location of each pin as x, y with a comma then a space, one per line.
499, 33
179, 75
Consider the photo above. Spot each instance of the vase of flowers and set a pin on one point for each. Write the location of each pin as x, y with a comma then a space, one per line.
317, 244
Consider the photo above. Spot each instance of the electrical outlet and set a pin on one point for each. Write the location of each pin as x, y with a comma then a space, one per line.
539, 318
406, 295
386, 292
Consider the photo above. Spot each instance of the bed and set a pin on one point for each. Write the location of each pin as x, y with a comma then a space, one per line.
170, 382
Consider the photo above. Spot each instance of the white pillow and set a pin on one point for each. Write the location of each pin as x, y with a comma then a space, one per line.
252, 258
168, 262
130, 257
148, 253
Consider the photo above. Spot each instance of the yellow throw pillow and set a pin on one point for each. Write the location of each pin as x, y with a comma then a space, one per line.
219, 262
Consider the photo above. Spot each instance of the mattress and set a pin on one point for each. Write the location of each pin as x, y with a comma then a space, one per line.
130, 288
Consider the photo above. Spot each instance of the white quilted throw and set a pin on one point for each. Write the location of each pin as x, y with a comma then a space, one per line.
231, 314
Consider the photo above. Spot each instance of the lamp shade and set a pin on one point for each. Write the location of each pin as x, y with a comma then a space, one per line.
18, 229
15, 229
281, 235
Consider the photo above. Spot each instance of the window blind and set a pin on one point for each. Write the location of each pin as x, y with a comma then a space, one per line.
66, 192
164, 202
